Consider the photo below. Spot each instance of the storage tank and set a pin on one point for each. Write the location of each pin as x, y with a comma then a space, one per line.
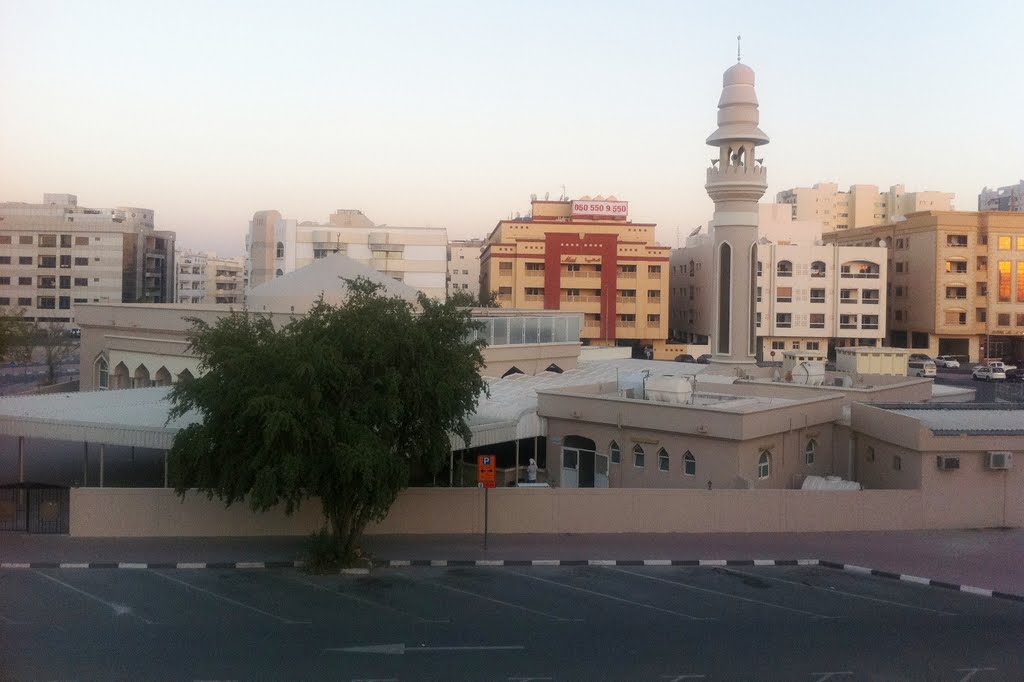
669, 389
809, 373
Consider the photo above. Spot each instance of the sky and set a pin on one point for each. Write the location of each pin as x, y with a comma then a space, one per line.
451, 113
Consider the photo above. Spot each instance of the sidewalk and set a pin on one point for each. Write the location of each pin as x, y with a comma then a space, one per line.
991, 559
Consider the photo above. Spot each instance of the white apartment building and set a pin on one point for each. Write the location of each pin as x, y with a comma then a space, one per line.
809, 296
417, 256
464, 266
860, 206
56, 254
202, 277
1009, 198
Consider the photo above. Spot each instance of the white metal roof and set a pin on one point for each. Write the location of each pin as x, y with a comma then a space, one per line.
968, 420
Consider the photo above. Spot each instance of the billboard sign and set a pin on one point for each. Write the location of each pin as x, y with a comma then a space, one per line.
600, 209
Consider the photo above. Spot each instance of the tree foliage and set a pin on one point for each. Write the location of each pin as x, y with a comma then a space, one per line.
56, 346
339, 405
13, 333
464, 299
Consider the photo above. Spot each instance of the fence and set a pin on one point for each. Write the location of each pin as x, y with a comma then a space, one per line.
142, 512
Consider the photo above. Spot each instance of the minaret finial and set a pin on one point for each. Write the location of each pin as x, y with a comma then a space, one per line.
738, 38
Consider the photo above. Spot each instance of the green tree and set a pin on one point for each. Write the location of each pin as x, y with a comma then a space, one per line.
56, 346
464, 299
13, 332
339, 405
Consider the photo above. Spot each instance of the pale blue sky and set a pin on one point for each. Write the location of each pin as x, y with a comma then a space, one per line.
451, 113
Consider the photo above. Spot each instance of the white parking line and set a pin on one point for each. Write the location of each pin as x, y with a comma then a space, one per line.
721, 594
843, 593
118, 609
499, 601
971, 672
609, 596
367, 602
229, 600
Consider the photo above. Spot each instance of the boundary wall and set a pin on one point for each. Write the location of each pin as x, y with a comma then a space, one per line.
158, 512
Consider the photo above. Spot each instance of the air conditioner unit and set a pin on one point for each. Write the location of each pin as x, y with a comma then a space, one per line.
947, 463
999, 460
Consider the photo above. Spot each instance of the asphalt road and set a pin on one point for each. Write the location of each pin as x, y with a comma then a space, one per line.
985, 391
510, 623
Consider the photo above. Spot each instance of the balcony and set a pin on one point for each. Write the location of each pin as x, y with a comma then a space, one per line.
871, 301
535, 274
592, 324
625, 299
627, 275
534, 298
625, 324
579, 299
868, 325
581, 274
849, 300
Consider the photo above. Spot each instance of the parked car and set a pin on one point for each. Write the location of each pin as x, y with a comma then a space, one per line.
987, 373
704, 359
921, 368
1015, 376
999, 364
920, 356
685, 357
948, 361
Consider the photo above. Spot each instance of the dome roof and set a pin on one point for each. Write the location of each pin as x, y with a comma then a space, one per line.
738, 74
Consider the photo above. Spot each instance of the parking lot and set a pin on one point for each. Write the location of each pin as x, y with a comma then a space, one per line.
500, 623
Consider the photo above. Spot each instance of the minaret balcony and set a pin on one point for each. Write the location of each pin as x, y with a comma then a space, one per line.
755, 174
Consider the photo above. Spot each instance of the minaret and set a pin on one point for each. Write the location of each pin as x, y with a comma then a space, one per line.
736, 181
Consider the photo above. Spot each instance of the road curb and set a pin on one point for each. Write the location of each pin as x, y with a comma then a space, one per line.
918, 580
483, 563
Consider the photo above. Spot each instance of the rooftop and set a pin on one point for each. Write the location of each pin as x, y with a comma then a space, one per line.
953, 419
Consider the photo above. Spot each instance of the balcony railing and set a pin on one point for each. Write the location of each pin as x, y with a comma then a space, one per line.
783, 273
580, 299
591, 323
860, 275
847, 325
868, 325
817, 325
587, 274
625, 299
848, 300
534, 298
625, 324
817, 299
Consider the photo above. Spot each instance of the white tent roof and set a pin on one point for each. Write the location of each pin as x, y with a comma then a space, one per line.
296, 291
138, 416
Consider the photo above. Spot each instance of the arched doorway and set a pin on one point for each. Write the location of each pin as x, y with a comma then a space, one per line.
163, 377
582, 465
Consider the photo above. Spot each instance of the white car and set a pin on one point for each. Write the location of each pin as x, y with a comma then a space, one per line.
987, 373
948, 361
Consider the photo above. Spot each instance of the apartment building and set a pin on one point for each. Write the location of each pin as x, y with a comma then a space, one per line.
1009, 198
955, 279
860, 206
202, 277
582, 255
464, 266
417, 256
808, 296
56, 254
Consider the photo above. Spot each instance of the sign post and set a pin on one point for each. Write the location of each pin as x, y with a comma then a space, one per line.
485, 476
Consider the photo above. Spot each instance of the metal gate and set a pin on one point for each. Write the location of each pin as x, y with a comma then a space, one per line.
34, 508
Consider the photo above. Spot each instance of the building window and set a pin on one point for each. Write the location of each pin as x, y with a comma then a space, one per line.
689, 464
654, 294
81, 241
5, 260
813, 345
956, 317
654, 270
48, 241
818, 269
724, 297
616, 454
25, 240
897, 315
65, 282
5, 239
764, 465
534, 267
847, 295
505, 267
104, 374
64, 302
1020, 281
279, 272
956, 240
662, 460
280, 250
81, 281
1004, 281
24, 260
50, 303
5, 280
956, 292
817, 295
24, 281
1003, 319
783, 320
871, 321
24, 301
809, 452
897, 463
847, 321
784, 295
1020, 319
784, 269
980, 314
1005, 243
47, 261
65, 241
982, 263
870, 454
5, 300
81, 261
638, 457
778, 345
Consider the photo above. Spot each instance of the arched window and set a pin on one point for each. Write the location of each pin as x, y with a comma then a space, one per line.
724, 297
638, 456
280, 250
689, 464
764, 465
818, 268
784, 269
616, 454
102, 373
809, 452
663, 463
279, 272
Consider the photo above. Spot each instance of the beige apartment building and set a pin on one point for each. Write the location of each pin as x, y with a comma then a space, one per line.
956, 281
416, 256
582, 255
1009, 198
202, 277
57, 254
464, 266
808, 296
860, 206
